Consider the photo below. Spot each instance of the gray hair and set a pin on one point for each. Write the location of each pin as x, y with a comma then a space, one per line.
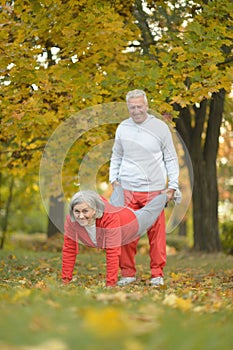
136, 93
91, 198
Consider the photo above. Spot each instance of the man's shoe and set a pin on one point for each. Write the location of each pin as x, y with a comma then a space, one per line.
157, 281
126, 280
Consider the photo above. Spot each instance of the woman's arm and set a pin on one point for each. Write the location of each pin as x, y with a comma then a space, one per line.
113, 238
69, 252
112, 265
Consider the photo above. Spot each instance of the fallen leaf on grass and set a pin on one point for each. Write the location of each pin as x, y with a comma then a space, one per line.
39, 323
23, 281
40, 285
199, 309
12, 257
21, 294
53, 304
133, 344
53, 344
176, 276
118, 296
184, 304
176, 302
145, 320
105, 323
156, 295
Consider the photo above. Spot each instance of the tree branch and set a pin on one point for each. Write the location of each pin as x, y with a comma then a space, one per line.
144, 27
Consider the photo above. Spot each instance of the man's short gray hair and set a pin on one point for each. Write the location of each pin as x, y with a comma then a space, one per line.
89, 197
136, 93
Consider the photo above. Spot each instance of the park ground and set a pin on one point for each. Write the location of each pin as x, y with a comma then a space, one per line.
193, 311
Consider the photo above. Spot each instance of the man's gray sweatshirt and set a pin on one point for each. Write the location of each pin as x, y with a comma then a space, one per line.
144, 158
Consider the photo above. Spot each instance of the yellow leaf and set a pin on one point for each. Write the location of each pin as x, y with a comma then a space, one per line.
53, 344
133, 344
119, 296
35, 187
176, 302
175, 276
183, 304
106, 322
21, 294
170, 300
40, 285
53, 304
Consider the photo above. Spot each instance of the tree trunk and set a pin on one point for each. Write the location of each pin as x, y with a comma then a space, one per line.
56, 216
182, 229
7, 213
202, 142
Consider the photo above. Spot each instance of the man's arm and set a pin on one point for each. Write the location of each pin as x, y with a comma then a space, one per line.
171, 165
116, 159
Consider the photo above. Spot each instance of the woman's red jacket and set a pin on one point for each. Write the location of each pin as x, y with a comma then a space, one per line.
117, 226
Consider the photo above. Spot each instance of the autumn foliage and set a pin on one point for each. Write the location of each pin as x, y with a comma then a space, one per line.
60, 57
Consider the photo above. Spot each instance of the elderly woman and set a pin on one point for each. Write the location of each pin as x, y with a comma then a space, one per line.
95, 222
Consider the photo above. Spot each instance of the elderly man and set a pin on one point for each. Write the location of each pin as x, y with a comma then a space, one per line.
144, 162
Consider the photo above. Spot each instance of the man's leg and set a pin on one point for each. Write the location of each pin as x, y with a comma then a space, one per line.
157, 241
156, 235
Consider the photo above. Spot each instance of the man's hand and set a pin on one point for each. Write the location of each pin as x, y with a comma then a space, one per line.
115, 183
170, 193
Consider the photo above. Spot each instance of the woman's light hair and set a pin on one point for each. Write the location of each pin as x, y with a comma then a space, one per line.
89, 197
136, 93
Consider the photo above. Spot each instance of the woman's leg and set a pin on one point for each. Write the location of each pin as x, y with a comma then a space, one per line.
117, 197
150, 212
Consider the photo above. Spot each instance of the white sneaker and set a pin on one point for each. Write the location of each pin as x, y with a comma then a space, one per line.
157, 281
126, 280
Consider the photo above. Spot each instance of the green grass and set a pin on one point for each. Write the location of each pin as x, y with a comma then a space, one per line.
192, 312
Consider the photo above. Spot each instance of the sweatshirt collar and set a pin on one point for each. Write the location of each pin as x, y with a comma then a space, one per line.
143, 123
